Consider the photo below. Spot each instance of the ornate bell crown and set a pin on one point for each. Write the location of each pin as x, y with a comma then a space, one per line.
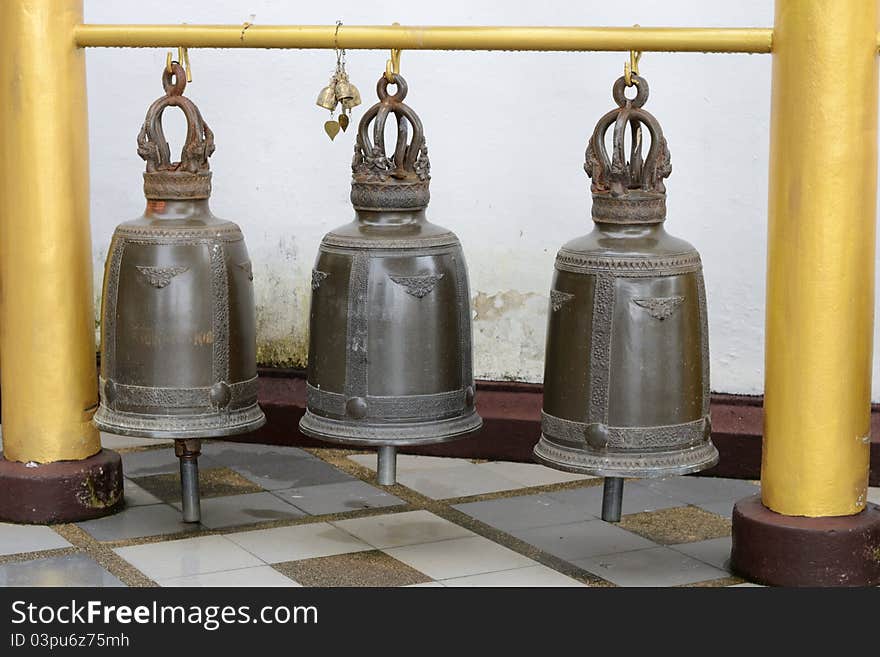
628, 191
398, 182
190, 178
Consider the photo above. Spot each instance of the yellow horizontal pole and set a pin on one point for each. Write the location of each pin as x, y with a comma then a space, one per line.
681, 39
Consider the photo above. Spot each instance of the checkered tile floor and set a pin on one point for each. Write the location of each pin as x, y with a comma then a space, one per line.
282, 516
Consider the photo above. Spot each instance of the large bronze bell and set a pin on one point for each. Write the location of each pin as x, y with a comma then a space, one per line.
626, 381
178, 345
390, 344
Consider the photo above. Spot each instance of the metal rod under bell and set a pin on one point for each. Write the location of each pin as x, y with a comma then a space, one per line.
386, 472
612, 499
188, 452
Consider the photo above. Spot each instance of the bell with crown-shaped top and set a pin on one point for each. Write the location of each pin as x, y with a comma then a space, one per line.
390, 325
178, 341
626, 382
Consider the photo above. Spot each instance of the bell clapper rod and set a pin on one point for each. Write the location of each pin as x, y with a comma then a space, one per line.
612, 499
188, 452
386, 470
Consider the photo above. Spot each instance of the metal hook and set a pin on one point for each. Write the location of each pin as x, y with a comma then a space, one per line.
182, 59
392, 66
631, 67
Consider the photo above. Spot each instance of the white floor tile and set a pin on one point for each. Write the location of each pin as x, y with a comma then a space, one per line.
188, 556
460, 481
281, 544
459, 557
531, 474
28, 538
874, 494
539, 575
399, 529
243, 577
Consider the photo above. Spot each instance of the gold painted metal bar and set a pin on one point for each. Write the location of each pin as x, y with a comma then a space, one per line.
385, 37
820, 271
47, 322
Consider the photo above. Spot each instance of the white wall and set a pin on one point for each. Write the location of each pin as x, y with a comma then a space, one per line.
506, 132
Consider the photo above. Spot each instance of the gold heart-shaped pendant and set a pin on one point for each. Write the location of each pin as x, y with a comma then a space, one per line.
343, 121
332, 129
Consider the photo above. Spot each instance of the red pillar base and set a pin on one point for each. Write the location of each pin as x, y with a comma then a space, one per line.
778, 550
64, 491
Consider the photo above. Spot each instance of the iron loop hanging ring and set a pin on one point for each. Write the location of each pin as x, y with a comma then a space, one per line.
642, 91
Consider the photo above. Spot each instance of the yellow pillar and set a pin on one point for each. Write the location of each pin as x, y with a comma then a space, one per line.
820, 268
47, 325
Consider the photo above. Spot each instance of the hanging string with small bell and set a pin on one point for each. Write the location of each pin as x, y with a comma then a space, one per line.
340, 90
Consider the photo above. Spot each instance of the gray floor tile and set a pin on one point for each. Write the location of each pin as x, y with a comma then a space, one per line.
137, 496
136, 522
338, 498
524, 512
112, 441
724, 509
247, 509
636, 498
28, 538
715, 551
225, 450
156, 461
274, 470
658, 566
701, 490
70, 570
583, 539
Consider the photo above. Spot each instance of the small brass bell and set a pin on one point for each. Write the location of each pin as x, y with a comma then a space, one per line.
327, 97
178, 338
346, 92
390, 355
626, 381
354, 100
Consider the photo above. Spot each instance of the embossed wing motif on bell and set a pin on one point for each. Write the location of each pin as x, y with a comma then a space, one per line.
390, 341
626, 382
178, 344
